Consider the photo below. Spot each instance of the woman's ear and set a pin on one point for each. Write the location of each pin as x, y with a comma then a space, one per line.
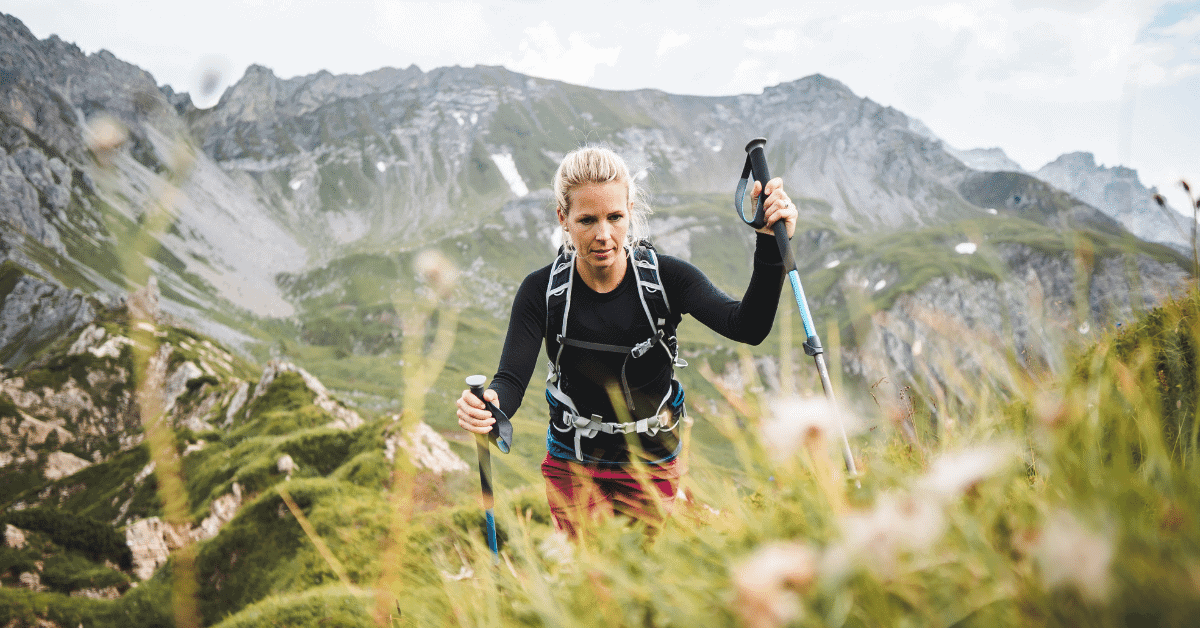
562, 216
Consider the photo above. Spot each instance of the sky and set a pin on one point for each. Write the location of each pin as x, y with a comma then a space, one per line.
1117, 78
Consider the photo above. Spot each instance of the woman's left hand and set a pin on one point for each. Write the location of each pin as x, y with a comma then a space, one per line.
777, 207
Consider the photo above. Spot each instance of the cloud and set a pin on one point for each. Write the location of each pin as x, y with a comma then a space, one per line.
782, 40
671, 40
454, 32
542, 54
1186, 27
750, 76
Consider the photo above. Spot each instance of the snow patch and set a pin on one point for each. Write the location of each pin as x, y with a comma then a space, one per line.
833, 264
508, 170
296, 184
880, 285
965, 248
380, 166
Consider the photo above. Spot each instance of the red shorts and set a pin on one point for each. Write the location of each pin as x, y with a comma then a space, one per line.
579, 492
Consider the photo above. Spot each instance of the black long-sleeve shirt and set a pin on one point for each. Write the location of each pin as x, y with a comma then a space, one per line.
617, 318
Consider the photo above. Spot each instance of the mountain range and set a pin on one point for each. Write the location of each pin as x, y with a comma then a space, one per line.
302, 222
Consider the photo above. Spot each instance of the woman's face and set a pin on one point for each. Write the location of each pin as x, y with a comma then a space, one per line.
598, 223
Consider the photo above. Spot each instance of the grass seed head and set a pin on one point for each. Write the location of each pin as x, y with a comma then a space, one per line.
437, 271
104, 136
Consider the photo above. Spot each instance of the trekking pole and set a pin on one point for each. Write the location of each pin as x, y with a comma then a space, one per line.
756, 163
502, 434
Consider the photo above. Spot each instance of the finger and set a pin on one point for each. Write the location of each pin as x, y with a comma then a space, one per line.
469, 421
471, 400
777, 206
469, 426
773, 185
756, 190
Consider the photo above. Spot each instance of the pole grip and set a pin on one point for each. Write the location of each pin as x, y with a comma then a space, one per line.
757, 156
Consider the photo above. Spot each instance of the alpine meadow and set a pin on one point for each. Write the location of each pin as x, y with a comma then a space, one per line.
232, 340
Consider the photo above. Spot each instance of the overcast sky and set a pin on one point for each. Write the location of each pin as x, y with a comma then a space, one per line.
1117, 78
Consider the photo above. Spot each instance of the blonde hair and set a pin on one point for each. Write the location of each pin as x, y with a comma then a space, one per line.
599, 164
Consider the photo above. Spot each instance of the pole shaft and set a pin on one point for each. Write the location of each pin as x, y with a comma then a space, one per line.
827, 385
819, 358
482, 448
485, 468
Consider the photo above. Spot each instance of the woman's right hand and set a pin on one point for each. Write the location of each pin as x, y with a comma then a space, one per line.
473, 416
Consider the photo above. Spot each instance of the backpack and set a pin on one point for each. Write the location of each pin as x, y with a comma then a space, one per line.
653, 297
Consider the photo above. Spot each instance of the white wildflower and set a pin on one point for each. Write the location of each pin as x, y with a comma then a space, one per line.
1071, 555
768, 583
795, 422
898, 524
955, 473
557, 548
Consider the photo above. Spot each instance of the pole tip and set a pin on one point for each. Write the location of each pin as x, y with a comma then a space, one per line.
476, 381
758, 142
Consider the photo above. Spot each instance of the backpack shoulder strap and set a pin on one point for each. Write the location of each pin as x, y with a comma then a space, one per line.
650, 287
558, 299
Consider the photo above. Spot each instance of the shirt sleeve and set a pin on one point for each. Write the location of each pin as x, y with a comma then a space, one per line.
749, 320
526, 330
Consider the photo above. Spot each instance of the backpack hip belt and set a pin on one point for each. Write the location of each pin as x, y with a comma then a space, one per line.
670, 413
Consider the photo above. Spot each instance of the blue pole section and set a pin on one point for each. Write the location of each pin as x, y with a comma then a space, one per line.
491, 533
802, 301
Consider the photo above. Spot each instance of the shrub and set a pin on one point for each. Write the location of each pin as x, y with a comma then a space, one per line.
323, 449
93, 538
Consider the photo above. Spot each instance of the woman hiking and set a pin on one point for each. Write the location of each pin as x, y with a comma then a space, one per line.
607, 310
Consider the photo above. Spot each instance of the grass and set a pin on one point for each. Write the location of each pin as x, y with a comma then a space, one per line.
1073, 501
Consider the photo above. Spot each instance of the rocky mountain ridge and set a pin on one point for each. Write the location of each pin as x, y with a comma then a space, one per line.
1120, 194
1115, 190
72, 452
89, 146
